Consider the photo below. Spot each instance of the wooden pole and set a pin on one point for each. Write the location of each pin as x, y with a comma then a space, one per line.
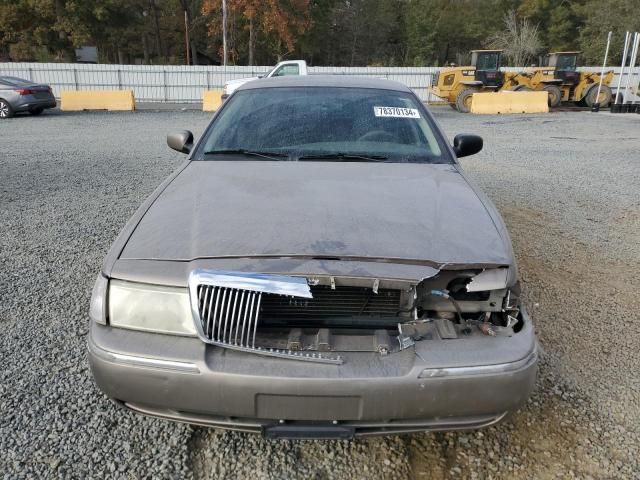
186, 37
224, 32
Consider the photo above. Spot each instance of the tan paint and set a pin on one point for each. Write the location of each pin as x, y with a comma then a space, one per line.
211, 100
120, 100
509, 102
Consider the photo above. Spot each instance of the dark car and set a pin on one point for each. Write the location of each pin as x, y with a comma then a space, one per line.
19, 95
320, 267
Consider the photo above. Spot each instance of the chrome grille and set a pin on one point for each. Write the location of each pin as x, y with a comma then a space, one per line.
226, 306
229, 315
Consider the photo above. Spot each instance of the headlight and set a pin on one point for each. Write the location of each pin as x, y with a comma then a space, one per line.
152, 308
97, 310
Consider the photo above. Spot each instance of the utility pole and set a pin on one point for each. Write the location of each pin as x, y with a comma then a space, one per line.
186, 36
224, 32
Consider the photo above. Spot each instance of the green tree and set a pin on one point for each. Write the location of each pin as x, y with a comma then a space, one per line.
30, 30
558, 22
443, 31
601, 17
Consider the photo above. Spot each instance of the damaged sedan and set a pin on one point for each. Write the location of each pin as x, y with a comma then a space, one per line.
319, 267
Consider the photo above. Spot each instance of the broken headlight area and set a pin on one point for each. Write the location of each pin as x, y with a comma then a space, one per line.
318, 318
469, 298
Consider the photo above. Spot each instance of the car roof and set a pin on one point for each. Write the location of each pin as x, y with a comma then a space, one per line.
343, 81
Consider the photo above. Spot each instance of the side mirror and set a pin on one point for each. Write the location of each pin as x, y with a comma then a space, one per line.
181, 141
261, 75
465, 144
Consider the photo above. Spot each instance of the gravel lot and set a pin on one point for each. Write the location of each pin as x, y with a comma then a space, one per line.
568, 186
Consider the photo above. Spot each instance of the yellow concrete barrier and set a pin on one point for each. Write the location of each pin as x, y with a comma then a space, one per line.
510, 102
211, 100
73, 101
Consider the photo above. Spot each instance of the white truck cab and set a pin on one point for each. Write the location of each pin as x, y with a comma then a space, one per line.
282, 69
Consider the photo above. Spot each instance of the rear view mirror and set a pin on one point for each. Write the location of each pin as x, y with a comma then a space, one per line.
181, 141
466, 144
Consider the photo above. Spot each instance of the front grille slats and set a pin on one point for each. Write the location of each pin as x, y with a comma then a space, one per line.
230, 315
344, 301
229, 305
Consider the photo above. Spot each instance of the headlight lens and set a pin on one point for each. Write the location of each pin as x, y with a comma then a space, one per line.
152, 308
97, 310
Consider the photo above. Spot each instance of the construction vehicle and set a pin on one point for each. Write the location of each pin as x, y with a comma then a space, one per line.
559, 76
458, 84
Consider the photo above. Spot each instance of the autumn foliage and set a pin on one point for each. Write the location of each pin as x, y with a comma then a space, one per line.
278, 22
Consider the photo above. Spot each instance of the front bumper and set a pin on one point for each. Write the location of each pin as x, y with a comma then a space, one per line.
185, 380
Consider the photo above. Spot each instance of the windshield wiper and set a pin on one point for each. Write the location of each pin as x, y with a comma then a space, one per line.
354, 157
248, 153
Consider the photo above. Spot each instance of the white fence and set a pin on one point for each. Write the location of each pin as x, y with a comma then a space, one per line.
185, 84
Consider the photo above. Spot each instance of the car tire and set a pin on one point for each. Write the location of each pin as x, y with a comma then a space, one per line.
555, 95
463, 100
5, 109
36, 111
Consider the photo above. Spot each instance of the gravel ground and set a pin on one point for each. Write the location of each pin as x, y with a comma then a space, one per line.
567, 185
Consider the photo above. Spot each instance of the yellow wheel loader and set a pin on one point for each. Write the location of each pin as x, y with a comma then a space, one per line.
559, 77
456, 85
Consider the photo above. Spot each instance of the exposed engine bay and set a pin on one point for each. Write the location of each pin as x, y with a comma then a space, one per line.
316, 319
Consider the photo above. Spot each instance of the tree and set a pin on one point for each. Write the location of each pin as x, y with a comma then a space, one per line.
280, 22
558, 21
443, 31
26, 31
519, 40
323, 32
601, 17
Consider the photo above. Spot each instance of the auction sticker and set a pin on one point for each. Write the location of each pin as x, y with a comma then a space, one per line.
396, 112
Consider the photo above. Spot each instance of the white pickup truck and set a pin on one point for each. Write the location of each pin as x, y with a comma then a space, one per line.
286, 68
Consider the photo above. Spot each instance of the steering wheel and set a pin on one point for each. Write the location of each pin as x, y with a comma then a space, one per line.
377, 136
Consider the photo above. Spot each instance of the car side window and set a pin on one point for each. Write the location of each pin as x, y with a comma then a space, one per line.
287, 70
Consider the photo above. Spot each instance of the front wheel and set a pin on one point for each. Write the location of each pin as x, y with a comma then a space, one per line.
463, 100
555, 95
5, 109
603, 100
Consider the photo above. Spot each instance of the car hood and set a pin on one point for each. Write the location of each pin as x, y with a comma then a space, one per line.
406, 213
233, 84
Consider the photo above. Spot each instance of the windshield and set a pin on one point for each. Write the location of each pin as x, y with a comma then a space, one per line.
488, 61
298, 123
14, 81
566, 62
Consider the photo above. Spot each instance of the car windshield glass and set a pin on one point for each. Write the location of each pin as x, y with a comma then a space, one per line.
14, 81
488, 61
344, 124
566, 62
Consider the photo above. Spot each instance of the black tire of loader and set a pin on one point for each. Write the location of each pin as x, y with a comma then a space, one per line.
463, 100
555, 95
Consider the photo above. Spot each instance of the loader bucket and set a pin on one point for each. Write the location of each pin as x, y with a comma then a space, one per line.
510, 102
